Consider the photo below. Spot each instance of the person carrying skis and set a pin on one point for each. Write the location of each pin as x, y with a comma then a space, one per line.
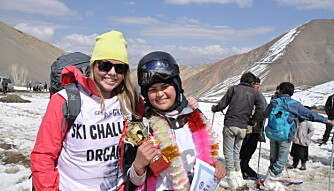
240, 100
279, 150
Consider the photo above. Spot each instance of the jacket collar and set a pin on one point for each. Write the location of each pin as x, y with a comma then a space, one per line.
245, 84
71, 74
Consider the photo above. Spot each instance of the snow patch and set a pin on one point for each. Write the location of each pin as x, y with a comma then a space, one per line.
278, 48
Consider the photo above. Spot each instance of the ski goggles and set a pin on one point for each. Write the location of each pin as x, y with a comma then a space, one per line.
106, 66
156, 68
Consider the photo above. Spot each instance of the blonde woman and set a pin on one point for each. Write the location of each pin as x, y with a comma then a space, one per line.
85, 156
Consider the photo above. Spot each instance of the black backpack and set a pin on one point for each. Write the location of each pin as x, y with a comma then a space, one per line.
72, 107
78, 59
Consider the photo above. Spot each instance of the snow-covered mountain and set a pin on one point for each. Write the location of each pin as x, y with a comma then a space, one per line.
303, 56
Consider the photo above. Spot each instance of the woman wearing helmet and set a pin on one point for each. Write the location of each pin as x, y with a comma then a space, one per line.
180, 134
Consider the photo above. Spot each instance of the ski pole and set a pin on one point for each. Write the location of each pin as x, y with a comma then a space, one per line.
330, 170
286, 169
213, 118
258, 161
258, 168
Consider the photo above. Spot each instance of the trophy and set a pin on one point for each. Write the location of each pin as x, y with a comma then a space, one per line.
136, 134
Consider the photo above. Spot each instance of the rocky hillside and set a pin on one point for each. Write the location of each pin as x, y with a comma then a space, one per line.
27, 52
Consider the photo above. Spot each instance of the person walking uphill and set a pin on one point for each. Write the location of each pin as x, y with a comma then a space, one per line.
85, 156
181, 134
279, 150
241, 99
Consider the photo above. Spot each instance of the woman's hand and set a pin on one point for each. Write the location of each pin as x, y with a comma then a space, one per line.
193, 103
145, 153
220, 171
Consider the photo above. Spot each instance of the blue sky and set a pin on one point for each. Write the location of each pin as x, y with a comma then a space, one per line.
193, 31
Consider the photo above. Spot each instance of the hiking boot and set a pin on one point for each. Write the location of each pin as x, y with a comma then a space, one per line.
303, 167
229, 181
239, 179
245, 176
271, 182
294, 165
323, 143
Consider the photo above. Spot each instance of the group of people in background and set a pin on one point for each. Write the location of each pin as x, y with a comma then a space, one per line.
95, 154
37, 87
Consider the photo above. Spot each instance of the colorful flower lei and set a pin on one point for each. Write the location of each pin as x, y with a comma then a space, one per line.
204, 140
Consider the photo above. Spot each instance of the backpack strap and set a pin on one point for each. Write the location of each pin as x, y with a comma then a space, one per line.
280, 103
72, 106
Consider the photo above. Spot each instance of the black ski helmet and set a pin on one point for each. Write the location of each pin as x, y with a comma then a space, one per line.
158, 67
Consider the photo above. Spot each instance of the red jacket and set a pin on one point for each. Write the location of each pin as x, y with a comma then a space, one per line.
50, 136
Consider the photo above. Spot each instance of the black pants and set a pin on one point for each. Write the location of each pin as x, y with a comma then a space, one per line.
299, 152
328, 131
248, 148
4, 89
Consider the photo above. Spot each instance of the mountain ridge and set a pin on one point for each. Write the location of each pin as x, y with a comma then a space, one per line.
306, 57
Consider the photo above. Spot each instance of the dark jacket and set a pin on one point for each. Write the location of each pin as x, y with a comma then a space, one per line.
259, 127
296, 110
329, 107
241, 98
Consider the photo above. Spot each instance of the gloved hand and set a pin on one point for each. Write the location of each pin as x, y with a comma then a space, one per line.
214, 109
262, 137
251, 123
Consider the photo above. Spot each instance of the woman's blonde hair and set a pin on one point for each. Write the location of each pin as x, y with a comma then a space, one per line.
125, 91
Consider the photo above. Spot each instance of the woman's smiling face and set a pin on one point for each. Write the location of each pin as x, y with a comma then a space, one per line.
161, 96
107, 81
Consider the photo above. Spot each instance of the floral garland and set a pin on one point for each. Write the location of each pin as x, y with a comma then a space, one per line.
204, 140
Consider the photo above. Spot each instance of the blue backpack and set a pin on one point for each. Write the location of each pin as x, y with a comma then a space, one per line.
278, 127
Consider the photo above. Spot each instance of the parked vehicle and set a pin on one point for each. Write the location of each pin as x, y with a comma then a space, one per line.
10, 85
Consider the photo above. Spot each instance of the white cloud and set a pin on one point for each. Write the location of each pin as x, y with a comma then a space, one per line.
77, 42
240, 3
135, 20
42, 31
130, 3
211, 50
136, 41
54, 8
207, 50
89, 13
187, 21
309, 4
189, 29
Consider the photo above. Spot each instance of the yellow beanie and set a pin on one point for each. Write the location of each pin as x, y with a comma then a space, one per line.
110, 46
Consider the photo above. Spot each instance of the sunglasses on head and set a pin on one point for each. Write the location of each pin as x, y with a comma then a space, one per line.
106, 66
